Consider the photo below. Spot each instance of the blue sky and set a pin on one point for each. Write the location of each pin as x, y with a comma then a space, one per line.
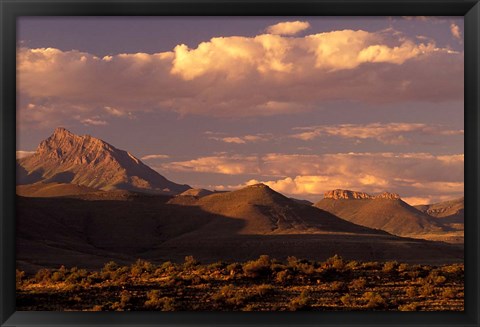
304, 104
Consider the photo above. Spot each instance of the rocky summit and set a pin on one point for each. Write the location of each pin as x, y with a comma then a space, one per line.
67, 158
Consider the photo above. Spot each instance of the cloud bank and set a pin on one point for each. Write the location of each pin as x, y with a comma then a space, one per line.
236, 76
412, 175
391, 133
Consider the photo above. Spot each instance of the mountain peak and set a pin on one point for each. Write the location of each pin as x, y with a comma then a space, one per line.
63, 144
61, 131
85, 160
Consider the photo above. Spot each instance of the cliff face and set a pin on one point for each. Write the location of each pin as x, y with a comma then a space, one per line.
85, 160
347, 194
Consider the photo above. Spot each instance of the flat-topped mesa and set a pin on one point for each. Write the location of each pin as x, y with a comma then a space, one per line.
346, 194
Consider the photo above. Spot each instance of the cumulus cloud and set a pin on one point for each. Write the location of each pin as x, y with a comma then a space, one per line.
236, 76
288, 28
390, 133
455, 30
114, 111
309, 176
221, 164
241, 139
22, 154
94, 122
155, 156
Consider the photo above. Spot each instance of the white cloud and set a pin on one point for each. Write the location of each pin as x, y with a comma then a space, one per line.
408, 174
236, 140
288, 28
237, 76
22, 154
389, 133
222, 164
94, 122
114, 111
455, 30
241, 139
155, 156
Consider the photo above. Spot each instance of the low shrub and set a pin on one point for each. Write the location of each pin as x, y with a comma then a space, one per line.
157, 302
234, 268
76, 275
141, 268
337, 286
346, 300
263, 289
335, 262
374, 300
390, 267
108, 269
43, 275
301, 302
230, 295
190, 262
351, 265
403, 267
97, 307
411, 292
258, 268
358, 284
453, 269
426, 290
58, 276
448, 293
283, 277
408, 307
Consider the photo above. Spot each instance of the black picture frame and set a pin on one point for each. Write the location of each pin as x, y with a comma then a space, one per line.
10, 10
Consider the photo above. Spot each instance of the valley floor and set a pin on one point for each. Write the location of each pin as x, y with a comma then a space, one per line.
263, 284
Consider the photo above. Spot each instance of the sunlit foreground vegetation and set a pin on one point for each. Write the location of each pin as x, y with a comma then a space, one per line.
264, 284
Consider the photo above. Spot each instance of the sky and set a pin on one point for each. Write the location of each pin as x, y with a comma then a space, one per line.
302, 104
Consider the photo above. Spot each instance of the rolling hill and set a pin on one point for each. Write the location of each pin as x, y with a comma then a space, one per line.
264, 211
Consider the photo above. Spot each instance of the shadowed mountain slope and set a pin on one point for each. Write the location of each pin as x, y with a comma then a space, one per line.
42, 190
90, 229
385, 211
67, 158
264, 211
196, 192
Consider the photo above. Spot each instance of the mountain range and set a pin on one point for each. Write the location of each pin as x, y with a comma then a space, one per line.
81, 201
